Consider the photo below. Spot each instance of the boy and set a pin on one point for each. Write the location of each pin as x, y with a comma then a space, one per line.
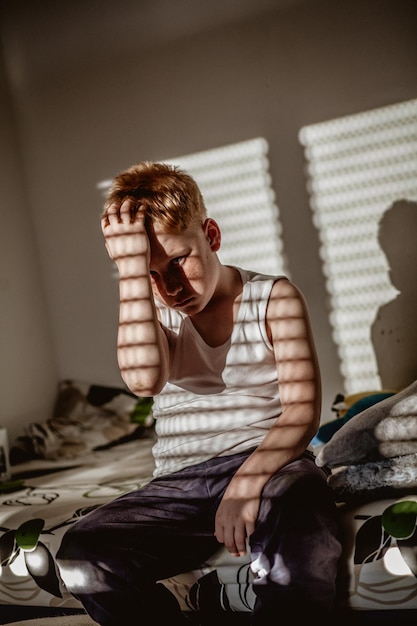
229, 357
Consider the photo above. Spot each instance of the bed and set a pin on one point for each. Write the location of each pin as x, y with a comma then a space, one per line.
98, 445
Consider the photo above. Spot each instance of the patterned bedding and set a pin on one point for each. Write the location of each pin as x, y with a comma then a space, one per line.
34, 517
378, 566
53, 495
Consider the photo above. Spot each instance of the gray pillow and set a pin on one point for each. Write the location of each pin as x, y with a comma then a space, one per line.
385, 430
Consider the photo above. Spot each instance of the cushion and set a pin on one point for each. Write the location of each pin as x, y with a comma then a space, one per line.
346, 408
85, 417
383, 430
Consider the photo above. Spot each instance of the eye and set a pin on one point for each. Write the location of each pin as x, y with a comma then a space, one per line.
178, 260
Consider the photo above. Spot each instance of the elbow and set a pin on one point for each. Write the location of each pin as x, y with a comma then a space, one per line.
145, 383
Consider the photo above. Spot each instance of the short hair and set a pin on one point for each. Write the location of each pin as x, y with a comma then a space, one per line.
172, 198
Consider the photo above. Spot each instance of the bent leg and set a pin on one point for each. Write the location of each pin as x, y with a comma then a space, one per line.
112, 559
295, 548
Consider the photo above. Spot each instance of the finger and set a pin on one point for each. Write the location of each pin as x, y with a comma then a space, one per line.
218, 533
229, 543
112, 212
240, 543
226, 538
104, 222
125, 211
137, 213
105, 219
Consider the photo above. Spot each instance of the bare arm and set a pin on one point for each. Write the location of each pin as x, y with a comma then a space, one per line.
300, 392
142, 347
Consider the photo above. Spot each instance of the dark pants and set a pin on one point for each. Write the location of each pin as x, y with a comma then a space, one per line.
112, 558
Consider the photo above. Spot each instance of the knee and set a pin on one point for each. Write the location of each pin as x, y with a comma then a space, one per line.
74, 558
72, 546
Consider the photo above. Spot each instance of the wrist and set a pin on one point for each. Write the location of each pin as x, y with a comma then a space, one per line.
132, 267
135, 288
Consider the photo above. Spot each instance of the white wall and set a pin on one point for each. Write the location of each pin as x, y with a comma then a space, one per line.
98, 86
28, 372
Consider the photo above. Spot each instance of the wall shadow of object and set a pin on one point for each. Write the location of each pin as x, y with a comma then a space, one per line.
394, 331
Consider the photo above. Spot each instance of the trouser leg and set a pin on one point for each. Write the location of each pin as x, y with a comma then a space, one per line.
295, 547
112, 559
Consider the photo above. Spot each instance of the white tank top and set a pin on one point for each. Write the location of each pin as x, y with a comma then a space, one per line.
219, 400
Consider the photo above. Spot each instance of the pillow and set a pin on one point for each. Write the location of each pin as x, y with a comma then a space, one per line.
383, 430
85, 417
346, 408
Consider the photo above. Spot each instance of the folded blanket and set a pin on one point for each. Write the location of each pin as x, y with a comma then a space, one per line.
398, 427
375, 479
386, 429
388, 449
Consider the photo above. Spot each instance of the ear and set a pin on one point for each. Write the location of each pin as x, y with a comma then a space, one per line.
213, 234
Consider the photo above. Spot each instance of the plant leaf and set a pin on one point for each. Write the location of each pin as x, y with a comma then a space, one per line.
399, 519
27, 535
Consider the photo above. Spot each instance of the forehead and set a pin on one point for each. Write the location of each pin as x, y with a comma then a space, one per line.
171, 244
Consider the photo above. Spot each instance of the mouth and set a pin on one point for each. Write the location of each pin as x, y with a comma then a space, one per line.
182, 303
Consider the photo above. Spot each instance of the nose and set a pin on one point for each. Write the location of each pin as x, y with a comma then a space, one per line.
172, 284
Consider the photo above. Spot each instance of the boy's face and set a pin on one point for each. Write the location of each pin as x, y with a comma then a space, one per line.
183, 266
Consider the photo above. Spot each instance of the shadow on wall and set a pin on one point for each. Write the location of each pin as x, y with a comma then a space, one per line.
394, 331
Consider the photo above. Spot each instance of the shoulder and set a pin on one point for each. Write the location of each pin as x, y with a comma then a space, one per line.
256, 277
288, 320
286, 300
259, 282
285, 287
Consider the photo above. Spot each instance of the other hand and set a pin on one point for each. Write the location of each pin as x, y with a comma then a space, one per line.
235, 521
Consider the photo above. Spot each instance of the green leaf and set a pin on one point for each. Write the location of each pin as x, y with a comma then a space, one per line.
399, 519
141, 411
27, 535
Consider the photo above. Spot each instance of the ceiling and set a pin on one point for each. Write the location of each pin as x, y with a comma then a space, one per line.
39, 36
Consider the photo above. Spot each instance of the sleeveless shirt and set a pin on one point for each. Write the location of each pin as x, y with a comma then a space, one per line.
218, 400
